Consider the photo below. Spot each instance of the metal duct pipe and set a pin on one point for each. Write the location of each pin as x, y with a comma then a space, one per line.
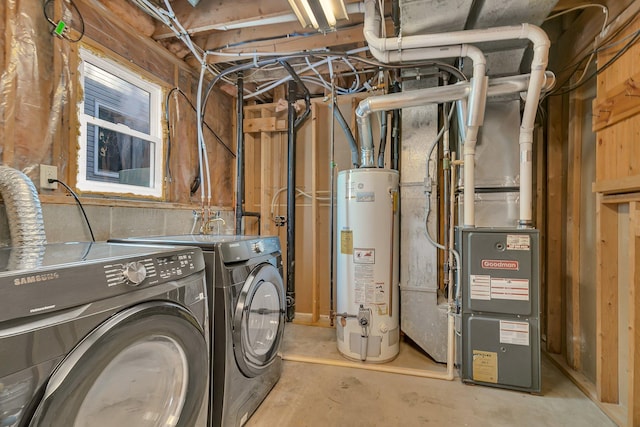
239, 154
24, 212
383, 139
541, 46
347, 132
395, 130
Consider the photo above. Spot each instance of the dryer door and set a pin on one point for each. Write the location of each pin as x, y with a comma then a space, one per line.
144, 366
259, 320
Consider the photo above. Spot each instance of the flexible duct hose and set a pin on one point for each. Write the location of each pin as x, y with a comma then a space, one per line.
24, 213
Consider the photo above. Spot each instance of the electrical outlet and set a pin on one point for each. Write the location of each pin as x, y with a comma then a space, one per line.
48, 172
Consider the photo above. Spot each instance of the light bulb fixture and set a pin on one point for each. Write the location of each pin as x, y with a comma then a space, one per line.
319, 14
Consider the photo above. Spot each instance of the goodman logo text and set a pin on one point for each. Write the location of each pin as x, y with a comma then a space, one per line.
495, 264
35, 278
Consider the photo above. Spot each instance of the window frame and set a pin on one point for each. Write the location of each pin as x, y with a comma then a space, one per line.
155, 136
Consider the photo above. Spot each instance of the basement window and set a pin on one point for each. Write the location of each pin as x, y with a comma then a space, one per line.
120, 147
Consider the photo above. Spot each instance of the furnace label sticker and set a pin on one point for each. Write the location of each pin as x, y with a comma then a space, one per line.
510, 289
485, 366
514, 333
364, 256
480, 286
346, 242
518, 242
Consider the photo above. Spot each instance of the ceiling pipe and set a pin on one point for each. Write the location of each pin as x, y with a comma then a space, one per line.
499, 86
541, 45
477, 95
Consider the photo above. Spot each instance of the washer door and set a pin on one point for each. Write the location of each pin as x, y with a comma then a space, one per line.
259, 320
144, 366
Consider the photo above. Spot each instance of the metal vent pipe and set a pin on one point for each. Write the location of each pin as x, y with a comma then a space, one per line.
412, 47
24, 212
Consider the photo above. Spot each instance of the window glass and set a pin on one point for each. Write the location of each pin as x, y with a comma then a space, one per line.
120, 141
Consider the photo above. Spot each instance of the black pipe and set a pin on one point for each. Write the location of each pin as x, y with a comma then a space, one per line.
355, 157
292, 129
395, 130
291, 200
383, 138
239, 154
306, 96
395, 16
255, 215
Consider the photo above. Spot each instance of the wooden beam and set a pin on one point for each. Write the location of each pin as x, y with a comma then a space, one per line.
211, 15
277, 32
615, 199
606, 301
264, 124
101, 26
634, 316
315, 292
294, 44
574, 190
554, 225
132, 15
229, 38
628, 184
541, 210
569, 4
573, 44
619, 104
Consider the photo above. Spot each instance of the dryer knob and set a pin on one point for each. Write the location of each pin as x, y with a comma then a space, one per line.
135, 272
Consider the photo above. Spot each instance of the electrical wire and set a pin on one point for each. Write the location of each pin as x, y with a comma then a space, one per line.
610, 62
604, 8
75, 196
193, 107
605, 45
63, 34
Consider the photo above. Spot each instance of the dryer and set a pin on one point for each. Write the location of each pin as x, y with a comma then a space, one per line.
100, 334
244, 275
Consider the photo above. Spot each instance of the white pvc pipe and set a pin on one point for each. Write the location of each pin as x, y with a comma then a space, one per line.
477, 92
541, 45
459, 91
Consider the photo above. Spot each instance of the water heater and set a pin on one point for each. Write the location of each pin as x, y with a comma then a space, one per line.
367, 264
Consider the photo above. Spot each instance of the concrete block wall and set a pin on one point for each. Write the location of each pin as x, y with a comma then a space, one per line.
65, 223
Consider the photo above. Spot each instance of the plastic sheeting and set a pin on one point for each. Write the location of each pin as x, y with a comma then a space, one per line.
32, 96
39, 89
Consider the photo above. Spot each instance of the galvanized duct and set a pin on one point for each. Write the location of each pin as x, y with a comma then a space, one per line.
26, 224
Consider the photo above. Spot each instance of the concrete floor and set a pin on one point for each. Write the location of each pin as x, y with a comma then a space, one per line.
310, 395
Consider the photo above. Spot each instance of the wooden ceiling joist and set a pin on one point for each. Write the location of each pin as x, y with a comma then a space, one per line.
351, 35
212, 15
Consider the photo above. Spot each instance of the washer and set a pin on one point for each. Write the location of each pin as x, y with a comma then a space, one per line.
244, 273
101, 334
